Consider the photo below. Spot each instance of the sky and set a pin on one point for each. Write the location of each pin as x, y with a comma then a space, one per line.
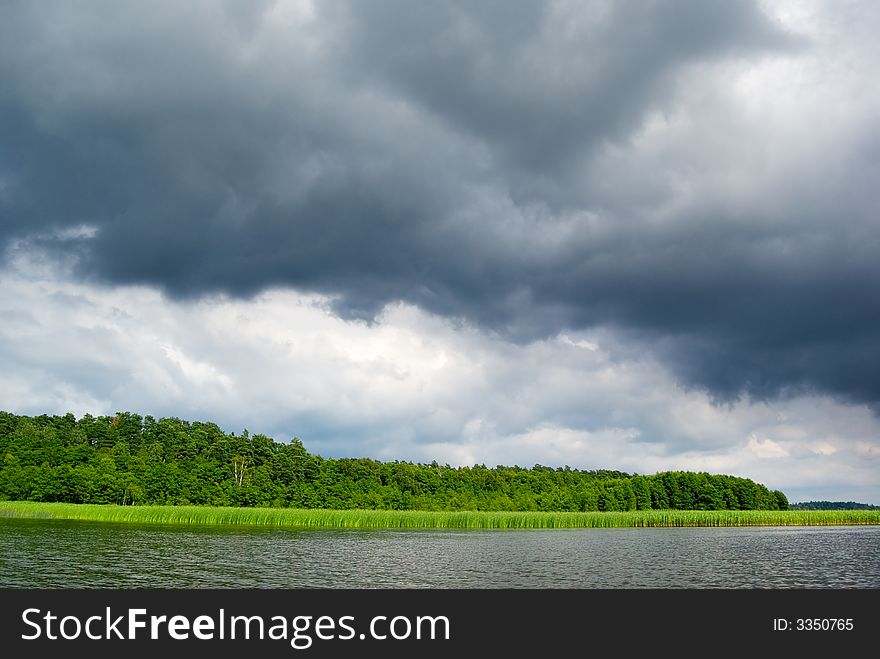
623, 235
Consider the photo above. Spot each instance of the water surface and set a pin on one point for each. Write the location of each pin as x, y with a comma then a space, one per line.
55, 553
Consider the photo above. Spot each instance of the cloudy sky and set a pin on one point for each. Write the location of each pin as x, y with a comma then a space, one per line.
626, 235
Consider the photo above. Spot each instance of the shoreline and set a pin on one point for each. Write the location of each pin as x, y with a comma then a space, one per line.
358, 518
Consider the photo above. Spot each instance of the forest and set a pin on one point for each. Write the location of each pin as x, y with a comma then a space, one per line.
129, 459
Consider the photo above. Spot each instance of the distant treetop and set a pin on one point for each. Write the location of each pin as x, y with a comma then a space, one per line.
832, 505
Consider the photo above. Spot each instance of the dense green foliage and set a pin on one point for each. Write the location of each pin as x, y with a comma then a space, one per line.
126, 459
832, 505
299, 517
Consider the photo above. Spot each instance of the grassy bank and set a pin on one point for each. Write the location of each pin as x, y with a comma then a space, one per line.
294, 517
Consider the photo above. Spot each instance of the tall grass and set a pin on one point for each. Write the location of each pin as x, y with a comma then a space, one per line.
295, 517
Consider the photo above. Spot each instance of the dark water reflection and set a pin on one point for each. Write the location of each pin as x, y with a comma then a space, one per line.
48, 553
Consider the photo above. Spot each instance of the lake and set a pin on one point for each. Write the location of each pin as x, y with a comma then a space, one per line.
71, 554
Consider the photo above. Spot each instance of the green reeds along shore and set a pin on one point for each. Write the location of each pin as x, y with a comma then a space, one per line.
300, 518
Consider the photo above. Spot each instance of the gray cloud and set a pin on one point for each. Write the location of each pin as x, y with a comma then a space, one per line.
487, 161
542, 84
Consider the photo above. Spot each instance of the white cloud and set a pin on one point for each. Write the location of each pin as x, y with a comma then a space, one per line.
765, 448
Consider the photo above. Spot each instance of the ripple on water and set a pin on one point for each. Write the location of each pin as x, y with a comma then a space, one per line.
53, 553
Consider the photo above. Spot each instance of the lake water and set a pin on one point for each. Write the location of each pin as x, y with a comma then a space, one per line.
50, 554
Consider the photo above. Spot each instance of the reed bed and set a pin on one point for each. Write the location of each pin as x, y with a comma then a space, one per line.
393, 519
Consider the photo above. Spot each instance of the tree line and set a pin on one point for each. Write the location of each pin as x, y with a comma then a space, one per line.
832, 505
129, 459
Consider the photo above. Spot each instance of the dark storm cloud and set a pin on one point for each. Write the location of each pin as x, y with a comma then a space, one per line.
540, 83
432, 153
